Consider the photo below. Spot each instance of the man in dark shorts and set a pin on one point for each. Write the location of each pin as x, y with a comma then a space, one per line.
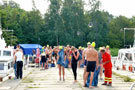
92, 60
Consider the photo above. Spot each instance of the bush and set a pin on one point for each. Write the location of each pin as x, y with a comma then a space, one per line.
114, 51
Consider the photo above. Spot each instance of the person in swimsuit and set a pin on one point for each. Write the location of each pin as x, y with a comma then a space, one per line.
80, 57
92, 60
43, 60
75, 56
60, 62
47, 54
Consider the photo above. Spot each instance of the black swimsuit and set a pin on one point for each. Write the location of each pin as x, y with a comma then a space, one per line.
43, 59
74, 66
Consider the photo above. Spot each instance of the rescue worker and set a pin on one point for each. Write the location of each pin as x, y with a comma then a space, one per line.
107, 64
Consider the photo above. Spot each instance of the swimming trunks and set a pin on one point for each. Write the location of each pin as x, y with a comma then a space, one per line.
91, 65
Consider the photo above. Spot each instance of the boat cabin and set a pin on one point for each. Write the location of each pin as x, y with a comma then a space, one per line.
6, 61
125, 59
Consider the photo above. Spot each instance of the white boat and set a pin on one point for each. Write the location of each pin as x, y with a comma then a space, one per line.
125, 59
6, 57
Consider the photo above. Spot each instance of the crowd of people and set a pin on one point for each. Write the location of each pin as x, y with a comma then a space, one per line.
71, 57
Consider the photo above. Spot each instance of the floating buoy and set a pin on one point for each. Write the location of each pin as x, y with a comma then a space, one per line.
130, 68
124, 67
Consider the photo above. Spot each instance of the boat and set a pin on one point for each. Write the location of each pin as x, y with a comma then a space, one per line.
125, 59
6, 57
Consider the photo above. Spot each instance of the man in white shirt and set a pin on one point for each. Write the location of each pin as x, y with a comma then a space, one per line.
19, 60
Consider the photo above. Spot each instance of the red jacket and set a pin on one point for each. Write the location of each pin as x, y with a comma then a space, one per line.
107, 57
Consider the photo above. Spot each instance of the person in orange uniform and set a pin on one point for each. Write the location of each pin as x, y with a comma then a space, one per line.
107, 64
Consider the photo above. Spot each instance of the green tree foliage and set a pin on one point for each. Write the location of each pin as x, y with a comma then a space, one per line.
116, 34
65, 22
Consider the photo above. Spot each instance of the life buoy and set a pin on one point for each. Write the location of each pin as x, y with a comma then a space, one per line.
124, 67
130, 68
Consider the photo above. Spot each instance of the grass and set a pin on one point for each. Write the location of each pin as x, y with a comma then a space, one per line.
125, 78
33, 87
28, 80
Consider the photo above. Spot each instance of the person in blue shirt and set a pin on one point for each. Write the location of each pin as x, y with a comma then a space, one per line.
60, 62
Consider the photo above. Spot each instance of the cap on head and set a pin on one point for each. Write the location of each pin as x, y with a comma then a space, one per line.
65, 49
68, 45
60, 47
80, 47
88, 43
47, 45
93, 44
107, 46
42, 47
100, 48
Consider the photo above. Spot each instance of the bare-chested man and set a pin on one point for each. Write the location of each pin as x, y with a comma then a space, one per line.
92, 60
84, 57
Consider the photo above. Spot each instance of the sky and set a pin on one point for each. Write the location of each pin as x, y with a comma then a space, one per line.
114, 7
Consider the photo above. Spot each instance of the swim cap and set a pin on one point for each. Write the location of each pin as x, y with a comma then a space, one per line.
100, 48
80, 47
93, 44
60, 47
107, 46
65, 49
88, 43
83, 48
47, 45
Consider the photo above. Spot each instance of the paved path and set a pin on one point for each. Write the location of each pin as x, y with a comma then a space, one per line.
13, 83
48, 80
